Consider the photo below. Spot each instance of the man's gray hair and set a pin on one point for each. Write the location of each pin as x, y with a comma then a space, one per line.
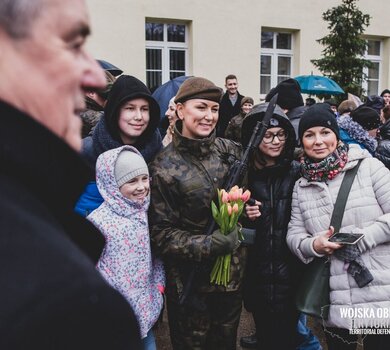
17, 16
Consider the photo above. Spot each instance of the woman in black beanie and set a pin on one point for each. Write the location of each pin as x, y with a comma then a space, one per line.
131, 117
360, 273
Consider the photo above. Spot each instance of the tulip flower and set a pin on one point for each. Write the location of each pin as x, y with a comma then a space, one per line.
245, 196
224, 196
234, 195
234, 188
229, 209
231, 205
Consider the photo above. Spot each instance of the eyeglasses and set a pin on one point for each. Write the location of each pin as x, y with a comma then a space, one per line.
269, 136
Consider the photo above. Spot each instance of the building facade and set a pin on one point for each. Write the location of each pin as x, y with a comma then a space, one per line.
262, 42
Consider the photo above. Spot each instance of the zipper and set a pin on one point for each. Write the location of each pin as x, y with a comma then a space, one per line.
271, 237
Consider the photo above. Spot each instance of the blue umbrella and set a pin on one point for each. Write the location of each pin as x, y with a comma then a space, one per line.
318, 85
166, 91
115, 71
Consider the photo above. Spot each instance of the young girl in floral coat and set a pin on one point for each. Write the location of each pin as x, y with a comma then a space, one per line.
126, 263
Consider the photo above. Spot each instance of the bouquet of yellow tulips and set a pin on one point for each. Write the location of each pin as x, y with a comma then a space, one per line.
226, 215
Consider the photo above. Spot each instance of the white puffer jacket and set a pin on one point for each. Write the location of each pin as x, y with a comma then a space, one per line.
367, 211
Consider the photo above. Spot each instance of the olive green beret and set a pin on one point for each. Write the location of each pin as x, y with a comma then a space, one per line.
201, 88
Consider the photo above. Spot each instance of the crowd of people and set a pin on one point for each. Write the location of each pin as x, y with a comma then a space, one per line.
99, 232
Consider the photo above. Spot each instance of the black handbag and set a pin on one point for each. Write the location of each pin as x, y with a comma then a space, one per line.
312, 296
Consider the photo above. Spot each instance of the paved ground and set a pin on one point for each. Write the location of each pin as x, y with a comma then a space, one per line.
246, 327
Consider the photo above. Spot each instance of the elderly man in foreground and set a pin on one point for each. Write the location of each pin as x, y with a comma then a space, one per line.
51, 295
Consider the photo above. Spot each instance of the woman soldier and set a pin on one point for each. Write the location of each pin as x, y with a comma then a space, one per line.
186, 175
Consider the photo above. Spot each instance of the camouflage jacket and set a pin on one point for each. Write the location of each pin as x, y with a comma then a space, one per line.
185, 178
90, 116
233, 130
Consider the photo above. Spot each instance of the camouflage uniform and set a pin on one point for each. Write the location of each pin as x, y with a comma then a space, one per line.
185, 177
233, 130
90, 116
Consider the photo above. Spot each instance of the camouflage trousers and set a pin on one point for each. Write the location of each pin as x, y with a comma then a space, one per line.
210, 328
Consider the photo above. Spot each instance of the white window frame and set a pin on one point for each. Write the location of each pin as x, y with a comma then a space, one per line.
374, 59
275, 53
166, 46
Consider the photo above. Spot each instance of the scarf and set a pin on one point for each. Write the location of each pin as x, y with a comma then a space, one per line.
102, 141
327, 168
351, 255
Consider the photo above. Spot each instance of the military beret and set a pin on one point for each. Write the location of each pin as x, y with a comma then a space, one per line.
247, 100
196, 87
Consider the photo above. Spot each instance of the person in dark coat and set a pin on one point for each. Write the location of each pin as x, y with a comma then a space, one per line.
230, 104
52, 297
375, 102
383, 150
290, 100
95, 101
131, 117
233, 131
272, 271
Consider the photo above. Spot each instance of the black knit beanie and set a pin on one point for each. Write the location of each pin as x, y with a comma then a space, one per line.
319, 114
289, 94
367, 117
124, 89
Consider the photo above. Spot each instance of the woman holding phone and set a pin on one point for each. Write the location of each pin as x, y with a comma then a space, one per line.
359, 273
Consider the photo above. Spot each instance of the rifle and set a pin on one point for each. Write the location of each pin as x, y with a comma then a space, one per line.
235, 176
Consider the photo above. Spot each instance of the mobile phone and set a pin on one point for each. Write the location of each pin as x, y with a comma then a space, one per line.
346, 238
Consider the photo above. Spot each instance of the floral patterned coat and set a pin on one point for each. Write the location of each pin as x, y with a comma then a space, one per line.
126, 262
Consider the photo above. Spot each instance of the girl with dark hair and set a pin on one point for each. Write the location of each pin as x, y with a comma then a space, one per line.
131, 117
272, 270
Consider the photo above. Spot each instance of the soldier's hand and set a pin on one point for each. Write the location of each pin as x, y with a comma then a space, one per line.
252, 209
224, 244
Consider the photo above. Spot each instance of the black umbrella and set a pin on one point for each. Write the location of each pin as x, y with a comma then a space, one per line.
115, 71
163, 94
166, 91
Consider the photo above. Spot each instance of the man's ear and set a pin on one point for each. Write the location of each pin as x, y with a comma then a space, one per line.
91, 94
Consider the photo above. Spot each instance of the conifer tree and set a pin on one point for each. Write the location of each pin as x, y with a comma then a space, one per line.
344, 47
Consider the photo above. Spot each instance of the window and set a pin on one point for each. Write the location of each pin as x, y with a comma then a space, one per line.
166, 52
374, 49
275, 59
